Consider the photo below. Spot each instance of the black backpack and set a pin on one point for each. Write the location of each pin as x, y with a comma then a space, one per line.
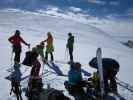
28, 59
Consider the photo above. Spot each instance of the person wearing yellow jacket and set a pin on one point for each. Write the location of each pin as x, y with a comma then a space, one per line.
49, 46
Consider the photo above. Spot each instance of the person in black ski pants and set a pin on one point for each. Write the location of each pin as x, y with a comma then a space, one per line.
110, 69
16, 41
69, 45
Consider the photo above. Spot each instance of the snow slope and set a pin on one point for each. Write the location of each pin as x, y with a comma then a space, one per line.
34, 27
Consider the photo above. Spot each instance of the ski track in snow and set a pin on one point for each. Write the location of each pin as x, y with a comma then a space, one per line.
87, 38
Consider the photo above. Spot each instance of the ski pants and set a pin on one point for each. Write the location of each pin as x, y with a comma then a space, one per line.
17, 50
110, 82
17, 92
71, 54
46, 56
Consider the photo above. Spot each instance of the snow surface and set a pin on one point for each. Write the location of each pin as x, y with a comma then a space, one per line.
34, 27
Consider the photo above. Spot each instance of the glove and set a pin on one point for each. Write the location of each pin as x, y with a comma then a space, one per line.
11, 93
42, 43
28, 45
66, 45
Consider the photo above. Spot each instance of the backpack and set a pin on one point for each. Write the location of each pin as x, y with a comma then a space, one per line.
28, 59
29, 56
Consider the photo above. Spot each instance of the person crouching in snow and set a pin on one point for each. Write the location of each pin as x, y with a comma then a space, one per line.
110, 70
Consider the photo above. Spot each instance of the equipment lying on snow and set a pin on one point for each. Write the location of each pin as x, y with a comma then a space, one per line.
35, 91
34, 88
129, 43
52, 94
28, 58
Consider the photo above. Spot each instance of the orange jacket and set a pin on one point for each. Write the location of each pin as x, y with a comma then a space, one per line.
49, 40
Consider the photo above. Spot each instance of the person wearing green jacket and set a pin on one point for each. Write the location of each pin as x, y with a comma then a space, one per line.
39, 50
70, 43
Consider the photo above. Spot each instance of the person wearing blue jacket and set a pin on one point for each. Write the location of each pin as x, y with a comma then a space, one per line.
110, 70
74, 75
75, 83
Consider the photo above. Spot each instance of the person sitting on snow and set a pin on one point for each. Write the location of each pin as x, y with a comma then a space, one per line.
75, 82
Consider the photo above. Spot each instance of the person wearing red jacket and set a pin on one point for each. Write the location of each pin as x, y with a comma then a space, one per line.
16, 41
35, 65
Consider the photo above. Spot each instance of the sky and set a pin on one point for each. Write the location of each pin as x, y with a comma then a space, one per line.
114, 17
100, 8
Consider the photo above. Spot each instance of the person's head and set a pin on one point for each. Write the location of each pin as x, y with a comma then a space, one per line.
37, 46
77, 65
93, 62
42, 43
69, 34
17, 32
49, 34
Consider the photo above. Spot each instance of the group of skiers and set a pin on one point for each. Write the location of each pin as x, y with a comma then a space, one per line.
75, 83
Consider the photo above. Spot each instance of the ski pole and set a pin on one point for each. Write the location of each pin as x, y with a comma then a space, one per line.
11, 58
66, 54
29, 47
43, 66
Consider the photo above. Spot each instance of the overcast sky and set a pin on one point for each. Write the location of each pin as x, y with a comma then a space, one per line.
121, 8
114, 16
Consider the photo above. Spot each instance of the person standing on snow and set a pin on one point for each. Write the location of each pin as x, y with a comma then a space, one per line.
35, 81
35, 65
69, 45
49, 47
110, 69
16, 41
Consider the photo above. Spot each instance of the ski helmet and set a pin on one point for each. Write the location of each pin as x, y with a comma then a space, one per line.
17, 32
